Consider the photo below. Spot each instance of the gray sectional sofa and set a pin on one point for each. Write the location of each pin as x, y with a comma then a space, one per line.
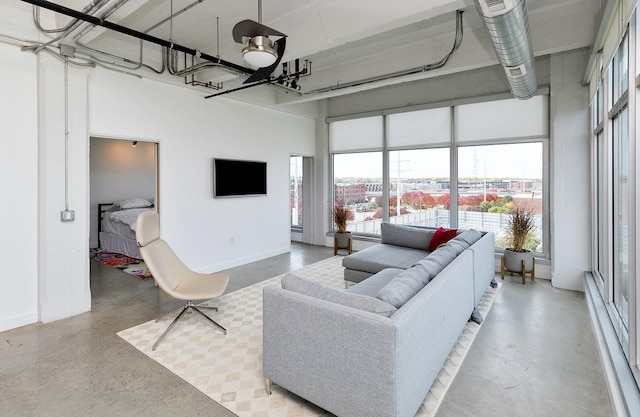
375, 349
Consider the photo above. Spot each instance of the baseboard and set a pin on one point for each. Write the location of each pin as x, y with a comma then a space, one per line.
18, 321
623, 390
246, 260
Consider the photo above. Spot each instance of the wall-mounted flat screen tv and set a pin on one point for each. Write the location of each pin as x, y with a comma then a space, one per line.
237, 178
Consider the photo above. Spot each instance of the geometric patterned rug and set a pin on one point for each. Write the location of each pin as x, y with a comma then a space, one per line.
228, 368
131, 266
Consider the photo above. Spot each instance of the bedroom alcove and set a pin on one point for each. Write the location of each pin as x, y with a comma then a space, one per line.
119, 169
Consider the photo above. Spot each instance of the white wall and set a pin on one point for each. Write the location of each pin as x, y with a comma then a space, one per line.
63, 181
45, 272
570, 172
119, 170
18, 182
208, 234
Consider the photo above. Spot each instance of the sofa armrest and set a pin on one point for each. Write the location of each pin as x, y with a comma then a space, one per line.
483, 264
428, 326
337, 357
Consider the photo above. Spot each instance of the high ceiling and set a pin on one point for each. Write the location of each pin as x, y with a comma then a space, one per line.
346, 41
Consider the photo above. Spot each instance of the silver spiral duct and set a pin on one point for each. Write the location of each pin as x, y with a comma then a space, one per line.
507, 25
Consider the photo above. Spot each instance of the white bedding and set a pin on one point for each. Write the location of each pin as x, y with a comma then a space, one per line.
118, 231
128, 217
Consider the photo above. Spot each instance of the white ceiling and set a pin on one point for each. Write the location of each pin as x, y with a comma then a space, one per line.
346, 40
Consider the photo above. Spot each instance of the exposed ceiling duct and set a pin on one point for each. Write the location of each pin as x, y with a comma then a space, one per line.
507, 25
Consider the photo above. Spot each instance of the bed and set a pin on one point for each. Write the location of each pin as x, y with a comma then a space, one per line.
117, 225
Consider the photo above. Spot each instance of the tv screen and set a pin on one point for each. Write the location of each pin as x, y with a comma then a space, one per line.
234, 178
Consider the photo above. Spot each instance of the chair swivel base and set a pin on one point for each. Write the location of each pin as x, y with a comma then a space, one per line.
189, 307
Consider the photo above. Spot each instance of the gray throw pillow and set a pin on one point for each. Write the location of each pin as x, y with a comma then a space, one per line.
406, 236
404, 286
314, 289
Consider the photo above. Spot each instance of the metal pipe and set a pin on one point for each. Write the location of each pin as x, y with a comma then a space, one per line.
66, 135
72, 26
508, 32
275, 81
136, 34
140, 63
36, 19
423, 68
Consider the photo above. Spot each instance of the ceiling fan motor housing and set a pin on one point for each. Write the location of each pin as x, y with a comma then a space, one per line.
259, 52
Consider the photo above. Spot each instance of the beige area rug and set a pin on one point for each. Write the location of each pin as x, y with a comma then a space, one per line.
228, 368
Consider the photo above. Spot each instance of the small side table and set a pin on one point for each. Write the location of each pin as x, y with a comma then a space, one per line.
522, 272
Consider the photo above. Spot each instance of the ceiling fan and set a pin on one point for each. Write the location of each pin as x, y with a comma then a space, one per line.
259, 50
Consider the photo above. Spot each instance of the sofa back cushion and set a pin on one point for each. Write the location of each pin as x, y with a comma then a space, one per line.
314, 289
404, 286
469, 237
407, 236
409, 282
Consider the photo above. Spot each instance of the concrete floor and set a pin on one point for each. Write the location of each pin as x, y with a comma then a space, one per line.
534, 356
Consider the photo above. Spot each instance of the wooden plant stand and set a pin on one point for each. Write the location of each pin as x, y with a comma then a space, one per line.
523, 272
336, 248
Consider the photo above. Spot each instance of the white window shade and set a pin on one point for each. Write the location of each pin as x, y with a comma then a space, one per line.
356, 134
503, 119
423, 127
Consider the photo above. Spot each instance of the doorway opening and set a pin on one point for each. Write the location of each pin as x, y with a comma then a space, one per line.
123, 177
300, 180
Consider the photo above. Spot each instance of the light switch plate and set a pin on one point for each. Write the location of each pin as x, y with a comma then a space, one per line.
67, 215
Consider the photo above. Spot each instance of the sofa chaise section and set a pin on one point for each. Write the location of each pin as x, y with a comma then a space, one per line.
357, 363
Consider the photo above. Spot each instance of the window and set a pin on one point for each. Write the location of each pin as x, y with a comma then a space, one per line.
492, 180
621, 223
399, 167
420, 187
295, 191
358, 185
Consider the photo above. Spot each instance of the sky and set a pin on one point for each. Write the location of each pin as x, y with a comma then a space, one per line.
491, 161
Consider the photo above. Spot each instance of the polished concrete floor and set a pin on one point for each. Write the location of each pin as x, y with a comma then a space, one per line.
534, 356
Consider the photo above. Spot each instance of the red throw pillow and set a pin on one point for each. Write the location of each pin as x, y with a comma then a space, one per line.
441, 236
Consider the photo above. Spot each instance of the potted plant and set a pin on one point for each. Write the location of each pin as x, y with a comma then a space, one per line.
342, 237
519, 228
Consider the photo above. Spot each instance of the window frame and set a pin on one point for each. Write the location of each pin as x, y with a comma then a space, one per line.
453, 166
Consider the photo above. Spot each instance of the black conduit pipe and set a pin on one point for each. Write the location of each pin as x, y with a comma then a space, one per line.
140, 35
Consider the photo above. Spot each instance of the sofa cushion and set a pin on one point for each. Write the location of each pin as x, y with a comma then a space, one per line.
443, 255
374, 283
404, 286
376, 258
406, 236
469, 237
441, 236
314, 289
430, 266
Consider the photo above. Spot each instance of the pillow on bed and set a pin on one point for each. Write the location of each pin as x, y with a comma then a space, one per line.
130, 203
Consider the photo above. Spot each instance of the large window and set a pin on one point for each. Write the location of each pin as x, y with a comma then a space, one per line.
358, 185
621, 223
404, 167
495, 179
616, 128
420, 187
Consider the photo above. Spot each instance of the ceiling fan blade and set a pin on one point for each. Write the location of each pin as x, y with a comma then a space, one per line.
251, 28
265, 72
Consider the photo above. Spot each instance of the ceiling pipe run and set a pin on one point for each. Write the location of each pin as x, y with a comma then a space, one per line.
507, 25
140, 35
